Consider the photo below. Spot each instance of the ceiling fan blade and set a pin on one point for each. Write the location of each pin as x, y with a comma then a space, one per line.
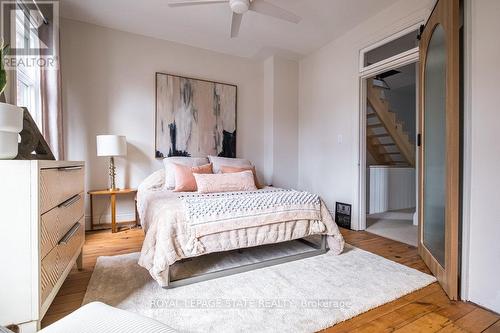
195, 3
235, 25
266, 8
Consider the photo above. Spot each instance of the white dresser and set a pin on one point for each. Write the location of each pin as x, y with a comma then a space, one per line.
42, 231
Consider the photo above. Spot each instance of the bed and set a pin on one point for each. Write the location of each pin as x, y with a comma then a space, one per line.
181, 225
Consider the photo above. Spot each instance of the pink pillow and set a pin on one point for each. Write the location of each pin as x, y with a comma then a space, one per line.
225, 182
232, 169
184, 179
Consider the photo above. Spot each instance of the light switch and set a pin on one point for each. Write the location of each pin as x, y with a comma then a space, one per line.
340, 139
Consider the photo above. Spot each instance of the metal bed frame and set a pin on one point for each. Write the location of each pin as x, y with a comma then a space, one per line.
318, 249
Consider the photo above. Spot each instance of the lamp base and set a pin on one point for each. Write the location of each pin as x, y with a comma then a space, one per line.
112, 174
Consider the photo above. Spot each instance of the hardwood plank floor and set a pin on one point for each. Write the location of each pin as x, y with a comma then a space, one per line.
426, 310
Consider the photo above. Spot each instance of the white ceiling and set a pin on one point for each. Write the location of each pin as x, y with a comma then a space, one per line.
208, 26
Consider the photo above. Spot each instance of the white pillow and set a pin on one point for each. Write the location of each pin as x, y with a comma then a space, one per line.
155, 181
217, 162
169, 168
225, 182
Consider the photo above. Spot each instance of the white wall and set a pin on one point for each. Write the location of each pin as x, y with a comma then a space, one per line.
484, 210
268, 119
390, 188
285, 123
281, 121
402, 102
329, 105
109, 88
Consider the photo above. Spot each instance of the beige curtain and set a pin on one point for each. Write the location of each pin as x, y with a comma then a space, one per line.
50, 91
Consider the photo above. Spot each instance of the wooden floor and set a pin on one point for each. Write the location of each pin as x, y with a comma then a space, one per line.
426, 310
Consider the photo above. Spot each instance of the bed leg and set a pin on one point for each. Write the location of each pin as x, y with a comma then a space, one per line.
168, 279
323, 242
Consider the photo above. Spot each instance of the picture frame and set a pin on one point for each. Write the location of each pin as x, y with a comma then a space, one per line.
194, 117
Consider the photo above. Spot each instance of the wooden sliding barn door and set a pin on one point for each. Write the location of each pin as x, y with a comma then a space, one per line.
439, 152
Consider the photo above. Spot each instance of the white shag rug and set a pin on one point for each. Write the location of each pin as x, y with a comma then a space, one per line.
300, 296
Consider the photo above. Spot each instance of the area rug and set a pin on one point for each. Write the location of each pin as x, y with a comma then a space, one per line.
300, 296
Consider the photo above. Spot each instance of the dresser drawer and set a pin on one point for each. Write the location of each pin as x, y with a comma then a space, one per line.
58, 221
55, 263
58, 185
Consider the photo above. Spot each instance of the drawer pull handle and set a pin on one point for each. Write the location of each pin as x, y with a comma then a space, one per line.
70, 201
66, 238
70, 168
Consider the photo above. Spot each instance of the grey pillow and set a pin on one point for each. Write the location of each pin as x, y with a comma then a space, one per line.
217, 162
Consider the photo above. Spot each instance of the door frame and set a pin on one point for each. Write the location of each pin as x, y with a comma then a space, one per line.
405, 58
467, 150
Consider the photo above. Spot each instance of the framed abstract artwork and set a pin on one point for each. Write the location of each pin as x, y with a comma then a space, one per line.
194, 117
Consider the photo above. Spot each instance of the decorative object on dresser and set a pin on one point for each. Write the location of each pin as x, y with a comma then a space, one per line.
11, 116
11, 124
112, 194
111, 146
194, 117
33, 145
41, 235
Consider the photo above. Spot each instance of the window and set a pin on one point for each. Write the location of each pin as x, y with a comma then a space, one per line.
28, 77
396, 47
392, 48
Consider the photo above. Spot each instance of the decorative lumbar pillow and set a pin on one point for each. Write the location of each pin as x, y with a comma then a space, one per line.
169, 168
217, 162
225, 182
184, 178
230, 169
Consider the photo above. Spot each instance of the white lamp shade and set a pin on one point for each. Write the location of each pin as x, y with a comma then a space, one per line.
111, 145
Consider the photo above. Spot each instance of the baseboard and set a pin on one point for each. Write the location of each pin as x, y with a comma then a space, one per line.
106, 219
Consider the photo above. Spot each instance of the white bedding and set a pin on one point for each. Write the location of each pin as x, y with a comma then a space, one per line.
169, 238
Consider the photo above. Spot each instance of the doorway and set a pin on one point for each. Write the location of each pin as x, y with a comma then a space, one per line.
438, 162
391, 127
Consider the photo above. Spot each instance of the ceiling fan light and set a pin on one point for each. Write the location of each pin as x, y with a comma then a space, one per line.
239, 6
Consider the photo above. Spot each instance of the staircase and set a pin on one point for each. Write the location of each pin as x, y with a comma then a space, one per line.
386, 140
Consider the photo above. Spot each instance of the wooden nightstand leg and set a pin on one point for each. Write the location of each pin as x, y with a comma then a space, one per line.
91, 214
113, 213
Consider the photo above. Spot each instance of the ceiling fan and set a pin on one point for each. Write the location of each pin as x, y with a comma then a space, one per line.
240, 7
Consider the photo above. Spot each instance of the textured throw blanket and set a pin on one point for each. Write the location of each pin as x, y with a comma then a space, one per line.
213, 213
208, 214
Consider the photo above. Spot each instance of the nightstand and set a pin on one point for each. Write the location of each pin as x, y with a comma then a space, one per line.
112, 194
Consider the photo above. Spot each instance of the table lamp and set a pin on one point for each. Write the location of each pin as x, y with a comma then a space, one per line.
111, 146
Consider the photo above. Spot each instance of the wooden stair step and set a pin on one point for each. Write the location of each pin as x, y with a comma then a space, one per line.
371, 115
384, 144
394, 127
378, 135
379, 125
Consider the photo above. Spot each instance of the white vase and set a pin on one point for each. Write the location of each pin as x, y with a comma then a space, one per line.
11, 124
